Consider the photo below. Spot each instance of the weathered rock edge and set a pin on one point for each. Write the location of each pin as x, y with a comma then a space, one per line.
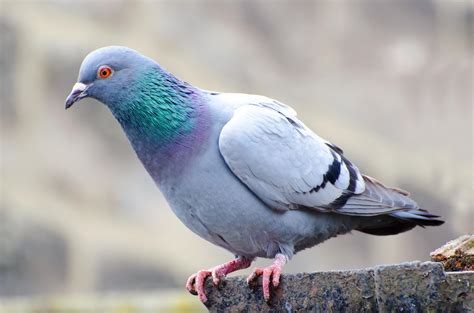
407, 287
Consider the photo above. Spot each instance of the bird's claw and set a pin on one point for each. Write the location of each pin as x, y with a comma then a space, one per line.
216, 277
196, 282
273, 271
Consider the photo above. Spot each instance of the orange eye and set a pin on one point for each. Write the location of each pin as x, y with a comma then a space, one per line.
104, 72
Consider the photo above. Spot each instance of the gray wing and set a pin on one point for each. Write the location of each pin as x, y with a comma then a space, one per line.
289, 167
283, 162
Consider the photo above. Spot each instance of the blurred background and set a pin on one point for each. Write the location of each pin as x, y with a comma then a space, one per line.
391, 82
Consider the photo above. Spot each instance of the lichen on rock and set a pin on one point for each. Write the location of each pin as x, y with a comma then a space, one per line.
456, 255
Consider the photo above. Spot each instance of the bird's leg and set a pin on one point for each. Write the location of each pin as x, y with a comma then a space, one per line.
195, 283
273, 271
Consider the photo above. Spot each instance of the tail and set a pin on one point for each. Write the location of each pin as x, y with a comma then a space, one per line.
398, 222
397, 211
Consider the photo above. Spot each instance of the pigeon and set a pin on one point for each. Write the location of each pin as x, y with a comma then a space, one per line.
239, 170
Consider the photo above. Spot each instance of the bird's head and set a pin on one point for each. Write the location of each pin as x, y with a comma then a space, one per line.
107, 74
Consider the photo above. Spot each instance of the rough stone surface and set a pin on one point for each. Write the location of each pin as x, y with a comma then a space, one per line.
407, 287
457, 254
317, 292
459, 292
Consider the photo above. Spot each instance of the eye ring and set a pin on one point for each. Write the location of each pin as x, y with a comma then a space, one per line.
104, 72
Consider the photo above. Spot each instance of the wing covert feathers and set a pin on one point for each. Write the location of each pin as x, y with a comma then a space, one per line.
289, 167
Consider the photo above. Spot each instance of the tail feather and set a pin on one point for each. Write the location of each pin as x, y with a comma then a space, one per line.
377, 199
385, 227
421, 217
398, 222
387, 211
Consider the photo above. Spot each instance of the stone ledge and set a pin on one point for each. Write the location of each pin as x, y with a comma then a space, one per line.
407, 287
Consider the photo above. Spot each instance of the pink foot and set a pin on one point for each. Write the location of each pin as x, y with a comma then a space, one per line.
273, 271
196, 282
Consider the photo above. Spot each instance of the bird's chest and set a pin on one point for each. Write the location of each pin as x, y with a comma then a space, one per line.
200, 188
205, 197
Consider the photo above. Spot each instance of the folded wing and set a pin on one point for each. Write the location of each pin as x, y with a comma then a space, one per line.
289, 167
283, 162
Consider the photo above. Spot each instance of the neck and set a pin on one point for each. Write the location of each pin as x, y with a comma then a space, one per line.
163, 118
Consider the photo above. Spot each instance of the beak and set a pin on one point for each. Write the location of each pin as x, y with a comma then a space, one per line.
78, 92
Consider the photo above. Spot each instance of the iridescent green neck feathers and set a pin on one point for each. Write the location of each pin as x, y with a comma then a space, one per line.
157, 107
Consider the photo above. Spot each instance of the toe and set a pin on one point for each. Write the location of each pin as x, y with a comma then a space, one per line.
276, 277
267, 272
216, 277
255, 273
200, 284
190, 284
202, 297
